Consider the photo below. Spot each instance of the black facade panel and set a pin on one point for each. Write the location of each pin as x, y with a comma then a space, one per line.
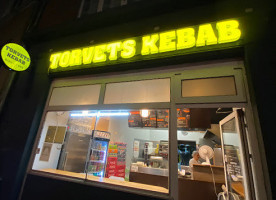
42, 188
22, 112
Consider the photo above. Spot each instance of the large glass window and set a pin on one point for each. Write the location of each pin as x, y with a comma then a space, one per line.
75, 95
122, 147
200, 157
219, 86
130, 147
145, 91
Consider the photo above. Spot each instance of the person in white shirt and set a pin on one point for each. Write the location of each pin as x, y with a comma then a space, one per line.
194, 160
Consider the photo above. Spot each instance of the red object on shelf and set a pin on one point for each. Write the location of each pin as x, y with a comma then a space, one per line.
120, 175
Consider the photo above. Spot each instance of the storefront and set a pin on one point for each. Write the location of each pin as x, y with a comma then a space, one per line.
137, 130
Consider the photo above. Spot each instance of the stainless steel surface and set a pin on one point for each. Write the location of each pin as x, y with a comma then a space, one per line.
76, 152
154, 171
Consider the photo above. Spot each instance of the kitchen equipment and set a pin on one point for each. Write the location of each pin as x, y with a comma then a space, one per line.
98, 153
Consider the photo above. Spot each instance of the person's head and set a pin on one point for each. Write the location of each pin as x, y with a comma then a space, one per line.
195, 155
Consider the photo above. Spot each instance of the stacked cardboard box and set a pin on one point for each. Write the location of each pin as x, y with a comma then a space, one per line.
111, 166
121, 162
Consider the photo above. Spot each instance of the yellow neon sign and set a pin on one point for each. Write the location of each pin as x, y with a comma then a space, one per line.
182, 39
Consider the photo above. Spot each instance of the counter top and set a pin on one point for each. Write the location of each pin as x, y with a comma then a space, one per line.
238, 187
108, 181
209, 173
188, 188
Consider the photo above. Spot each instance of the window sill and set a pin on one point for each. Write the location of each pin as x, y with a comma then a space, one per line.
130, 187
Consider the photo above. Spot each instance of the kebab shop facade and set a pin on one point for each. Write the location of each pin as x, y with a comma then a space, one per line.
125, 116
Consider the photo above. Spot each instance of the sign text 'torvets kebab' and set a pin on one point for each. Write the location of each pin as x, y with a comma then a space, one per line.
164, 44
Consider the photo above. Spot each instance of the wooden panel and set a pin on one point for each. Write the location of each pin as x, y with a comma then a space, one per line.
204, 173
200, 118
102, 124
55, 134
107, 180
149, 179
188, 189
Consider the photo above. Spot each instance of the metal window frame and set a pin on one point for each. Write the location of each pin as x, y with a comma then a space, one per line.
207, 70
218, 72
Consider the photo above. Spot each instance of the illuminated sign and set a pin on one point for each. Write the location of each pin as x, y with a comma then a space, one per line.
15, 57
164, 44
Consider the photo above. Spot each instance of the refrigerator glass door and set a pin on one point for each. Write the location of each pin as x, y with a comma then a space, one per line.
97, 160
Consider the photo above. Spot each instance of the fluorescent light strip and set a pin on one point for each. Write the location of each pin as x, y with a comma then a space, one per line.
83, 115
98, 114
114, 114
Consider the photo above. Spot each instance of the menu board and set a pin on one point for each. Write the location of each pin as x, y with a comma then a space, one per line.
155, 119
135, 119
149, 121
162, 119
183, 118
232, 160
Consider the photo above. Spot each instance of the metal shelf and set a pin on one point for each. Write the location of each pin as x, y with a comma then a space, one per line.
99, 161
98, 150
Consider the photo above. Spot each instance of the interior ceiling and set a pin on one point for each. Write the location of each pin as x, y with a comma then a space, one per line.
219, 114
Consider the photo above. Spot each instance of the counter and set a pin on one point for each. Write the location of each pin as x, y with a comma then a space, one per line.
188, 188
108, 181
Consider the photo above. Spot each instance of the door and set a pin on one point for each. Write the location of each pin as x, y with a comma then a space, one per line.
75, 152
236, 156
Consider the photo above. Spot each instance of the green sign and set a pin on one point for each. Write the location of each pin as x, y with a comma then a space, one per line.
185, 40
15, 57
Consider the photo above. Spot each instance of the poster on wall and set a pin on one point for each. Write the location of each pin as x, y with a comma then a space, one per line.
121, 159
55, 134
46, 151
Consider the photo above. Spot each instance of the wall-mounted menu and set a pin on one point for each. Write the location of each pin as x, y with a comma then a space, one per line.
149, 121
162, 118
135, 119
155, 119
232, 160
183, 118
159, 119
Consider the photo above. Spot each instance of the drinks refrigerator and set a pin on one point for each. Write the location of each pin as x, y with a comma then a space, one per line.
98, 153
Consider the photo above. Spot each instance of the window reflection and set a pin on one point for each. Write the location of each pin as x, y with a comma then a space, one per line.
123, 147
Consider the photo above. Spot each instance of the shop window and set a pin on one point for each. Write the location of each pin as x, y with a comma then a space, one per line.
77, 95
209, 156
121, 147
146, 91
219, 86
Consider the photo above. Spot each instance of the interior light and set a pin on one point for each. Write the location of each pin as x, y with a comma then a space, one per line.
85, 112
114, 114
144, 113
99, 114
83, 115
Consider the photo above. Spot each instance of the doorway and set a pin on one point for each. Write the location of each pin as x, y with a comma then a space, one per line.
216, 131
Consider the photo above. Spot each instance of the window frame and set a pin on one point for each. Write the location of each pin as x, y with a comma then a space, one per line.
233, 68
218, 72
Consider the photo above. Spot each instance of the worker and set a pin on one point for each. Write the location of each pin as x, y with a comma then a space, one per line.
194, 160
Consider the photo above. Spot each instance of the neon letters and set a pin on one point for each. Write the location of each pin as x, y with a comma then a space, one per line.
226, 31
